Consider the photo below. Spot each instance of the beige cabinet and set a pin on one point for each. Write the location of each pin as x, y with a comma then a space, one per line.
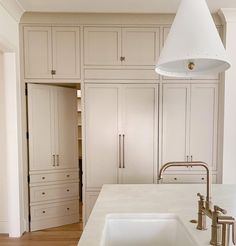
52, 52
109, 46
121, 134
53, 156
52, 127
189, 123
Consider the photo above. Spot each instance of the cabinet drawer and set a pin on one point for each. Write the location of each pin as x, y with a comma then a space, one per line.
52, 177
186, 179
44, 193
54, 210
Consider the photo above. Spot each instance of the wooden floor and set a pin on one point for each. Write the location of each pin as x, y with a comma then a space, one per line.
68, 235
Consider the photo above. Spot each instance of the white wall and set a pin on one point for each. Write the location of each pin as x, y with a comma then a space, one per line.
3, 170
229, 135
11, 211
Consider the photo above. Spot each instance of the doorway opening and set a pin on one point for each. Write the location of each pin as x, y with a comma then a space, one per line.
54, 154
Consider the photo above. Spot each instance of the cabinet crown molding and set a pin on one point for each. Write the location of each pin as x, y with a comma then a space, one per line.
227, 15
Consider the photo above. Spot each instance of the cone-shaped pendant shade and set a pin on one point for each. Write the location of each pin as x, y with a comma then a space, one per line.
193, 47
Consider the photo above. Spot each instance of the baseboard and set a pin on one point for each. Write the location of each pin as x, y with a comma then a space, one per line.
4, 227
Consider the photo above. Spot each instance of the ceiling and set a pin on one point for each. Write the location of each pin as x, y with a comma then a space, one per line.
115, 6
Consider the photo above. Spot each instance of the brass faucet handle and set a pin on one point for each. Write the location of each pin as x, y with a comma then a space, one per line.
202, 198
234, 232
219, 209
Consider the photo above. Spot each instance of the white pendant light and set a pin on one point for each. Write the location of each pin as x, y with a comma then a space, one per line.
193, 47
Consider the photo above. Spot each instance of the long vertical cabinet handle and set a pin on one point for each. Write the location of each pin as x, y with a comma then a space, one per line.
119, 150
123, 150
58, 161
54, 160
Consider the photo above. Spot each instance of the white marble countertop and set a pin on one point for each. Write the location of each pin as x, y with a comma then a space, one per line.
166, 198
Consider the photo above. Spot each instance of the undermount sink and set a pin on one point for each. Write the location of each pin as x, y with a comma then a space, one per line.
145, 230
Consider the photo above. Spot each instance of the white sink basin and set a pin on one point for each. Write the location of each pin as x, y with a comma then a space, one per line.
145, 230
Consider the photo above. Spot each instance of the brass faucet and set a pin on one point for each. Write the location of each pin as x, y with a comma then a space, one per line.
192, 164
220, 227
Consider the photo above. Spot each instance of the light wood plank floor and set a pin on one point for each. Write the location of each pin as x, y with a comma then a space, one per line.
67, 235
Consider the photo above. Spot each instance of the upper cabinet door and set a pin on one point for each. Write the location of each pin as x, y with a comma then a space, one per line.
102, 46
140, 46
41, 127
175, 123
38, 52
66, 128
66, 52
102, 134
139, 134
203, 130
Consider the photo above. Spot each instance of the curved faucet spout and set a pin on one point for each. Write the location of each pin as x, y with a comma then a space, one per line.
192, 164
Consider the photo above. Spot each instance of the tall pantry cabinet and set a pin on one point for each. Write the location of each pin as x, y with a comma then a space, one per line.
53, 164
121, 134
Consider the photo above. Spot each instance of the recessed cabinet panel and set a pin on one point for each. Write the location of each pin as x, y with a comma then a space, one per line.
102, 46
66, 52
67, 130
203, 130
101, 117
139, 124
37, 52
41, 128
140, 46
175, 123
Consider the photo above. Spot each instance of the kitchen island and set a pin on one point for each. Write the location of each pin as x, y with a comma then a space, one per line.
178, 199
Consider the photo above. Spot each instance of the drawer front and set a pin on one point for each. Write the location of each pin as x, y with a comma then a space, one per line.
54, 210
186, 179
50, 192
53, 177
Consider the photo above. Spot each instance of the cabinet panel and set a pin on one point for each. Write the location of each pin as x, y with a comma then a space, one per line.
139, 126
54, 177
38, 52
175, 124
187, 179
102, 45
203, 130
41, 127
101, 133
148, 53
66, 52
66, 127
50, 192
91, 198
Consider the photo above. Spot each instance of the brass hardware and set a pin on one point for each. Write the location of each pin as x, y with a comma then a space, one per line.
191, 158
44, 212
193, 221
58, 160
187, 158
54, 161
67, 175
216, 227
53, 72
123, 150
119, 150
67, 190
226, 222
43, 177
175, 178
192, 164
68, 209
43, 193
122, 58
191, 65
201, 225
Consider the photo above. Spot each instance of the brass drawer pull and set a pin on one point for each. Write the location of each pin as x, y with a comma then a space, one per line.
67, 175
54, 160
44, 212
43, 193
68, 190
175, 178
43, 177
68, 209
